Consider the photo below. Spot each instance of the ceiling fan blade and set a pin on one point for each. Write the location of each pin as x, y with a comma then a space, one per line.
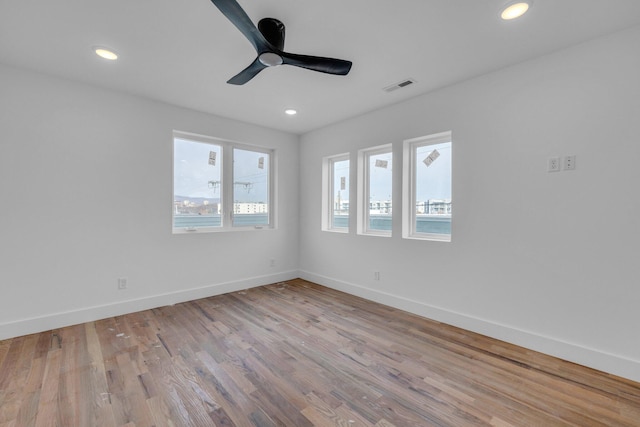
248, 73
238, 17
317, 63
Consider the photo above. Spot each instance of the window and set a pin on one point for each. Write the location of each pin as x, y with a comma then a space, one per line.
197, 193
251, 187
220, 185
335, 193
375, 191
427, 188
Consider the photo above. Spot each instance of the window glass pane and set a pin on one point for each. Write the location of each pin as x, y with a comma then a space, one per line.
380, 185
433, 188
196, 184
340, 199
250, 188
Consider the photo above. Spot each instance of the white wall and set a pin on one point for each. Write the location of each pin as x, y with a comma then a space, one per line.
549, 261
86, 197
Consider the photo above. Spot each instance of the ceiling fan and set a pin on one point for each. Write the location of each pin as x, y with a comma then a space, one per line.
268, 41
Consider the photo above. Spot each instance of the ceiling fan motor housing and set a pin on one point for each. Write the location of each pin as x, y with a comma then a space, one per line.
273, 30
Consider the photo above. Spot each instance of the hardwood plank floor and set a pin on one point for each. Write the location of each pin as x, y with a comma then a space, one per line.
294, 354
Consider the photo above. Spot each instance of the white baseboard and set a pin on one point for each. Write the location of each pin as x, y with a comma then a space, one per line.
613, 364
88, 314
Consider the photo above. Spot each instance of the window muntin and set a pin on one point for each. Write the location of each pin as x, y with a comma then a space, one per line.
220, 185
427, 197
375, 191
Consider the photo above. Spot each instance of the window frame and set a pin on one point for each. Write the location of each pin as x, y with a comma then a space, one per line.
363, 190
227, 187
328, 195
409, 184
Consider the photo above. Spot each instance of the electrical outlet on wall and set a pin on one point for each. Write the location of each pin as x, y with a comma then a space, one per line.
569, 163
553, 164
122, 283
376, 275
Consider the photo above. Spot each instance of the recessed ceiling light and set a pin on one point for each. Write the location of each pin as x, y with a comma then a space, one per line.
515, 10
291, 112
105, 53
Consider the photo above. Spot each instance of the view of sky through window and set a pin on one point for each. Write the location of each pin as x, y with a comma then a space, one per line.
195, 169
433, 176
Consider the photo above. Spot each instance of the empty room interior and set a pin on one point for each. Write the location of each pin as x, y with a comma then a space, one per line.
411, 213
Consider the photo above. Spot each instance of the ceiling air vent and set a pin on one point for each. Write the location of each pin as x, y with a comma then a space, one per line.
399, 85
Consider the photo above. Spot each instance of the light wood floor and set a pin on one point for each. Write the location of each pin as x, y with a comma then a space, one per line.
294, 354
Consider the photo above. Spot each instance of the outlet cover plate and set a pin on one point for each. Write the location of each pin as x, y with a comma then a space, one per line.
569, 163
553, 164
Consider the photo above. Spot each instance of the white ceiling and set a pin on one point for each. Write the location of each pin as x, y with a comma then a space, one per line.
183, 52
